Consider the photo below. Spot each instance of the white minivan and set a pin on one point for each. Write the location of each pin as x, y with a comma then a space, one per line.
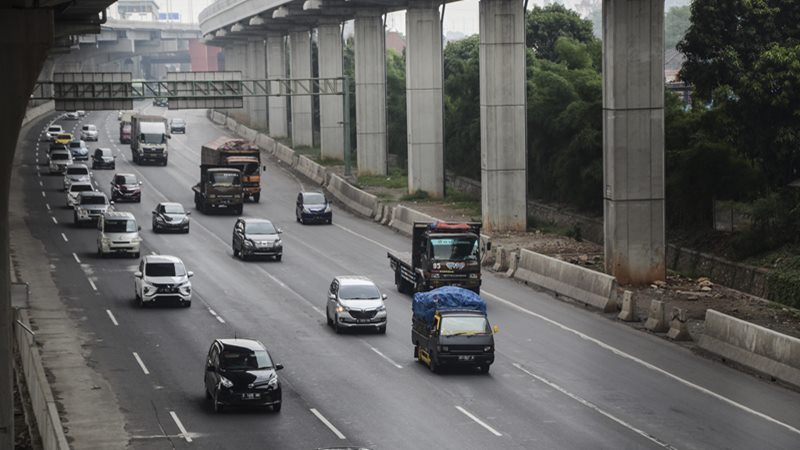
118, 233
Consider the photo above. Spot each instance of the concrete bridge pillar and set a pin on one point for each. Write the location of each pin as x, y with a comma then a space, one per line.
370, 74
27, 37
257, 70
300, 67
331, 108
424, 102
633, 140
276, 68
503, 125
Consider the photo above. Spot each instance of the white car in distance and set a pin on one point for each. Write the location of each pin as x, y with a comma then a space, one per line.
162, 278
76, 173
75, 189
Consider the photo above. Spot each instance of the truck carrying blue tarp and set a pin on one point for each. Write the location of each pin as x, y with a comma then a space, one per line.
425, 304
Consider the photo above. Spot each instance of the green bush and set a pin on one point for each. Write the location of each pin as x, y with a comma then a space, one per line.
784, 283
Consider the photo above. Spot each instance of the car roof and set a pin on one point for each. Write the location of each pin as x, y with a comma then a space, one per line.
105, 149
119, 215
171, 204
161, 259
81, 183
55, 126
60, 150
254, 220
73, 166
312, 192
249, 344
124, 174
354, 279
92, 194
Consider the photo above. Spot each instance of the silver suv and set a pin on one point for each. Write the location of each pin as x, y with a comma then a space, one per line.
162, 278
118, 232
355, 302
90, 206
76, 173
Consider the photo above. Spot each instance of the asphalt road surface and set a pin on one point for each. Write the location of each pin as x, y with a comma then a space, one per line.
564, 377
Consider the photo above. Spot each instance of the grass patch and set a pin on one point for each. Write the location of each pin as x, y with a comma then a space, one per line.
467, 202
416, 196
547, 227
395, 180
330, 162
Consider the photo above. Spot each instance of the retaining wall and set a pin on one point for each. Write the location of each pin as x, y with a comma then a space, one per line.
742, 277
403, 219
43, 403
311, 169
354, 198
753, 346
588, 286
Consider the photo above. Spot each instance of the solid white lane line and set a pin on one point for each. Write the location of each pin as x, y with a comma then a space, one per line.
354, 233
55, 221
478, 421
327, 424
141, 363
594, 407
646, 364
180, 426
111, 316
221, 320
65, 237
213, 313
385, 357
76, 258
94, 287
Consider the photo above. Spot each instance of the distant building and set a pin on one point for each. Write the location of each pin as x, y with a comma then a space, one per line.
142, 10
395, 41
451, 36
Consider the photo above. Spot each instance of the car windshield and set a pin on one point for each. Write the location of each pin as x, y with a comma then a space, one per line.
224, 178
80, 188
59, 156
359, 292
260, 228
126, 179
88, 128
75, 144
77, 171
120, 226
152, 138
242, 359
173, 209
93, 200
178, 122
455, 248
461, 325
55, 129
314, 198
164, 270
64, 136
102, 153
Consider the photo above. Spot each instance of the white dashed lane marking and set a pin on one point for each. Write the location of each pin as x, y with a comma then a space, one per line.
141, 363
65, 237
478, 421
111, 316
180, 426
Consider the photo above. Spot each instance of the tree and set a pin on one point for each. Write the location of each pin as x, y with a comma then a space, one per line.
462, 124
545, 25
396, 121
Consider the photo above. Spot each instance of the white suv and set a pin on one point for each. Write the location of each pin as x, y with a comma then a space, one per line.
89, 132
162, 278
118, 232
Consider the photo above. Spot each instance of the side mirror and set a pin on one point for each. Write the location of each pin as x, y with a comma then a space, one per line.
111, 202
495, 329
169, 137
91, 173
332, 296
278, 366
139, 228
155, 212
190, 274
384, 296
137, 274
140, 182
188, 213
280, 231
264, 168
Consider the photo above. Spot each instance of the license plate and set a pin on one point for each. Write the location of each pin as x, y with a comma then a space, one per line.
250, 396
466, 357
363, 320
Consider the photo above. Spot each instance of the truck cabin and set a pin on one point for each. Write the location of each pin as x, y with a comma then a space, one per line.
456, 323
224, 178
153, 138
443, 243
248, 165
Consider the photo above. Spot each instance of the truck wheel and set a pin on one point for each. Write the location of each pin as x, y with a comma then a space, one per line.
256, 197
239, 210
416, 351
432, 365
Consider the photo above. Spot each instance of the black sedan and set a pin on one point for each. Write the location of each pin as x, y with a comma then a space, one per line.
177, 126
313, 207
170, 217
240, 372
103, 158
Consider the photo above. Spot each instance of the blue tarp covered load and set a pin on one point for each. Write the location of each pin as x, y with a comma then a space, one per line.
425, 304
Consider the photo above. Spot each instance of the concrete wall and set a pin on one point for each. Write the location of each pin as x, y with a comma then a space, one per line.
753, 346
403, 219
588, 286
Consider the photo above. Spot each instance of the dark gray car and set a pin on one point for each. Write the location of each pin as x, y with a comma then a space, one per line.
256, 237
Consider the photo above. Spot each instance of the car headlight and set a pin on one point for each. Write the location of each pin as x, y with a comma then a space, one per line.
436, 275
488, 348
273, 382
340, 308
277, 242
248, 243
328, 209
136, 240
474, 275
105, 240
444, 348
212, 195
306, 210
224, 382
381, 308
148, 288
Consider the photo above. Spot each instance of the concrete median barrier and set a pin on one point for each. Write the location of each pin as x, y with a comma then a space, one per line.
311, 169
353, 198
403, 219
753, 346
587, 286
285, 154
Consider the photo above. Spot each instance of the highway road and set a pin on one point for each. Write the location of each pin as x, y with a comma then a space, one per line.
564, 376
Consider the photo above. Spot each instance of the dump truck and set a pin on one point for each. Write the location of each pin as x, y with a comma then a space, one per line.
219, 188
449, 327
149, 139
240, 154
442, 254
